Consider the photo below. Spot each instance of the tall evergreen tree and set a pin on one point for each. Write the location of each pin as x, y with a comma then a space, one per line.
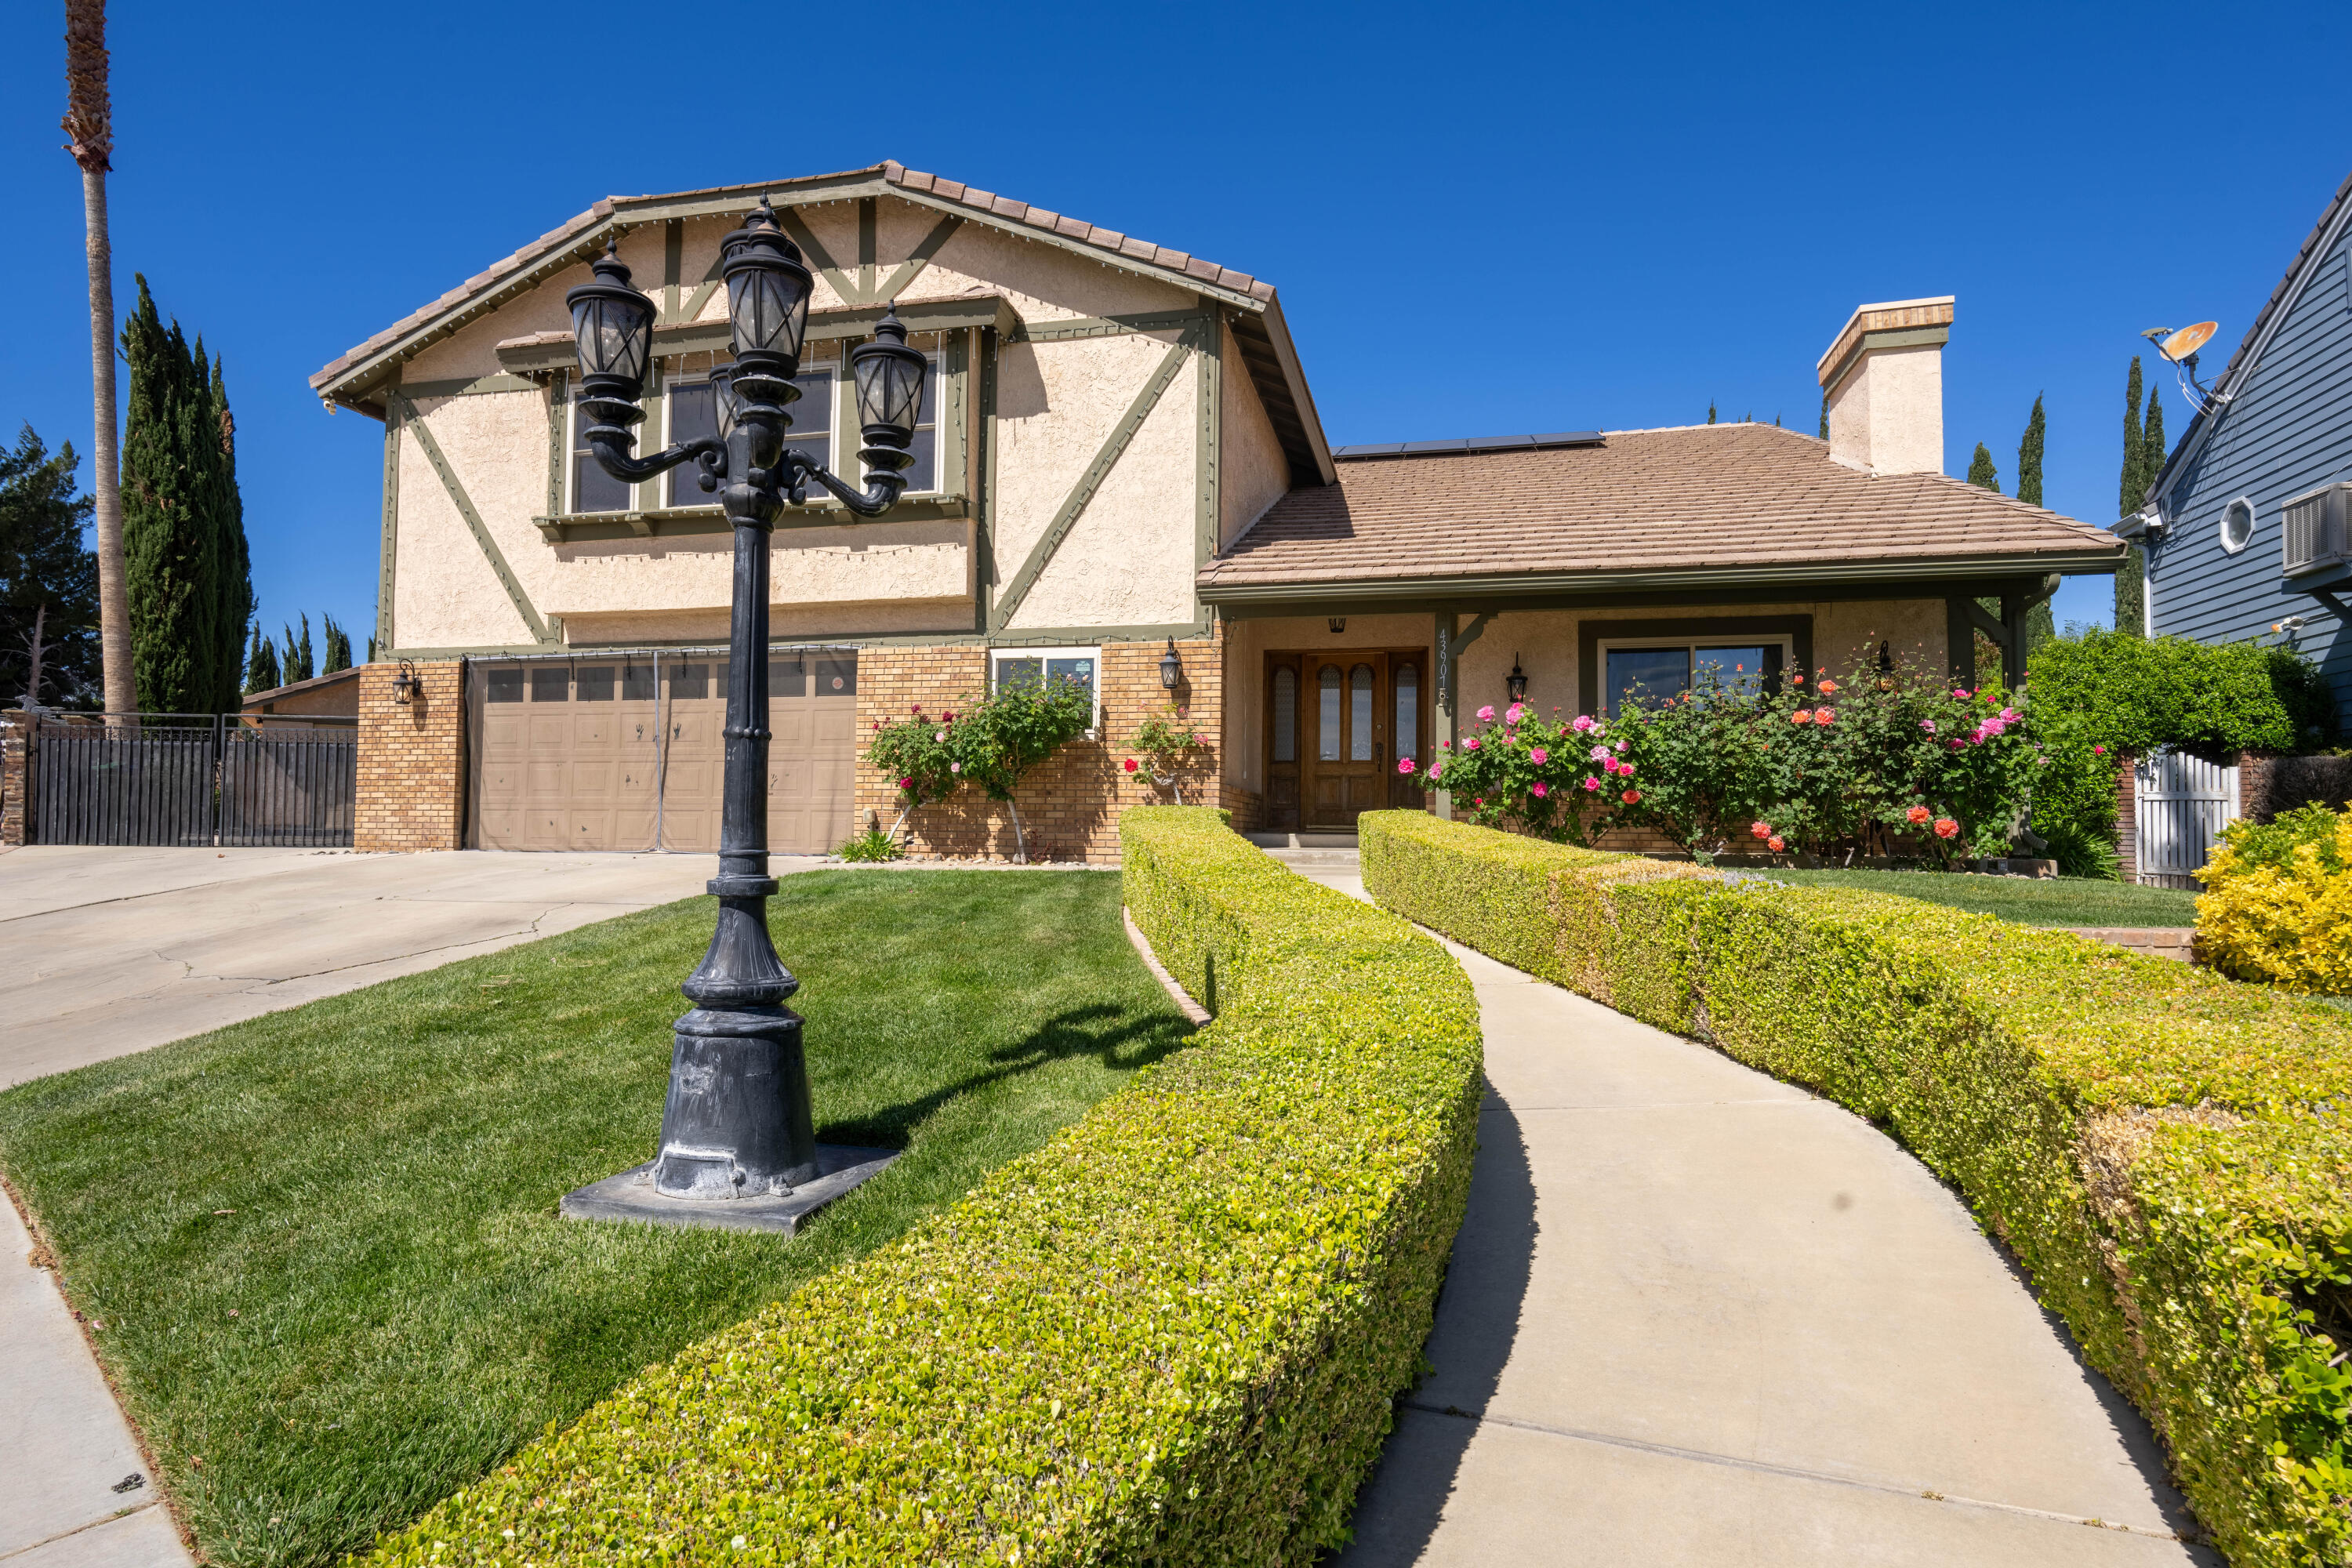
2152, 450
1981, 473
236, 569
2028, 457
261, 664
171, 517
90, 122
1710, 410
2131, 571
49, 648
338, 646
1825, 415
298, 664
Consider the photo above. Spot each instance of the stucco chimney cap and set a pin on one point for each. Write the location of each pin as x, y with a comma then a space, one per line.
1888, 316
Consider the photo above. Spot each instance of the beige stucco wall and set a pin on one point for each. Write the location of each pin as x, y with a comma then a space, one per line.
1252, 472
1846, 635
1129, 560
1887, 416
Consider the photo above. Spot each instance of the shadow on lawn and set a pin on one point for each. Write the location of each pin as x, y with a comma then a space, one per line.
1072, 1032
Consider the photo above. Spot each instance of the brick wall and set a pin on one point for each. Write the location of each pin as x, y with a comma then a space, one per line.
1069, 804
16, 778
412, 760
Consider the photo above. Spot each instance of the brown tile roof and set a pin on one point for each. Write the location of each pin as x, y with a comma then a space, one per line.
1722, 495
1004, 209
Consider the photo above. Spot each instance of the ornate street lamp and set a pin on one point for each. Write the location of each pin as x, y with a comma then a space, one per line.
738, 1124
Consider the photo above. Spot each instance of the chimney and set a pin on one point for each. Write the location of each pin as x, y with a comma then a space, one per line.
1884, 377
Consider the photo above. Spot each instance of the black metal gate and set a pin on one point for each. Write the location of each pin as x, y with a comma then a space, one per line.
193, 780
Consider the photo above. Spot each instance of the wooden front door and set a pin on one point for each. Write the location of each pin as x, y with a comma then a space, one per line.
1338, 721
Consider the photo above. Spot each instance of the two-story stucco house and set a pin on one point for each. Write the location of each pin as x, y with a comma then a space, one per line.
1120, 453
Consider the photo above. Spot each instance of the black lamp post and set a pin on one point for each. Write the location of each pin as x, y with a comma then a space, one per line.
737, 1124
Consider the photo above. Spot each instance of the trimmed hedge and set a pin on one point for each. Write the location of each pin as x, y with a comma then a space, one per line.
2161, 1147
1170, 1336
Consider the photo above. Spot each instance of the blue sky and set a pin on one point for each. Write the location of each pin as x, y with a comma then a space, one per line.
1482, 219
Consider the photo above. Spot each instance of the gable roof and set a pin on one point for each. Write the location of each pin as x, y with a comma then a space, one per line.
1749, 504
352, 379
2233, 376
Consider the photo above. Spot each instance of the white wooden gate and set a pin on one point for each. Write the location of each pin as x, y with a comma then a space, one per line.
2181, 805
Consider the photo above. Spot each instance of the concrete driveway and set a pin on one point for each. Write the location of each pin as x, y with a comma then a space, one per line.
113, 950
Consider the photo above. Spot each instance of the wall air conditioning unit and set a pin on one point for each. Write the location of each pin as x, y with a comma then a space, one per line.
2319, 530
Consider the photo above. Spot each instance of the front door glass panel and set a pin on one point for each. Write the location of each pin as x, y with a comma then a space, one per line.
1359, 714
1328, 738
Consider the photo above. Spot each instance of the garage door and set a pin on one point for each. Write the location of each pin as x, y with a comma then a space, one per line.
630, 753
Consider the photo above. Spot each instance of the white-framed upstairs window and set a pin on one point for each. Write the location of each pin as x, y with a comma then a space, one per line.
690, 408
1648, 671
1011, 668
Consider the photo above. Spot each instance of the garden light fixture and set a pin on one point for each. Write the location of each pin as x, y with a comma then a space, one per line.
738, 1124
1172, 668
1516, 681
406, 685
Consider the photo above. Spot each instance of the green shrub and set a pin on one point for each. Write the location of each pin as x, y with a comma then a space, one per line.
2160, 1146
1171, 1335
2212, 701
874, 842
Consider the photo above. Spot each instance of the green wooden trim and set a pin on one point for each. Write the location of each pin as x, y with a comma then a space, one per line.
1208, 523
672, 263
475, 387
790, 222
867, 221
1074, 505
1050, 637
497, 557
388, 557
673, 522
954, 428
1065, 328
983, 491
825, 326
559, 409
917, 259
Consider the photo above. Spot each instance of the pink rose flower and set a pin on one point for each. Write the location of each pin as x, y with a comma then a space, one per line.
1541, 790
906, 783
1625, 769
1598, 752
1486, 714
2098, 750
1928, 725
1590, 782
1405, 764
1584, 723
1512, 717
1539, 756
1471, 744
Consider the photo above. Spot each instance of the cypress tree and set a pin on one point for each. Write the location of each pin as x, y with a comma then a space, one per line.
2152, 451
2131, 572
261, 664
49, 647
2028, 457
338, 646
298, 664
1825, 415
1981, 473
170, 523
235, 568
1710, 411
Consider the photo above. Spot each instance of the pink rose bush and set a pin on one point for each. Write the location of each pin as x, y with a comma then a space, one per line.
1898, 753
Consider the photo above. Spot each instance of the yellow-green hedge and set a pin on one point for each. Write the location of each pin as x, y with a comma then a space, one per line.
2277, 905
2162, 1147
1170, 1336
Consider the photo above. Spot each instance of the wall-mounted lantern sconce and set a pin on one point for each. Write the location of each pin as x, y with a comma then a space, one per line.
1172, 668
1516, 681
407, 684
1339, 623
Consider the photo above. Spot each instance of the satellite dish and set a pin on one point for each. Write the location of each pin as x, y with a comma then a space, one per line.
2179, 345
2180, 348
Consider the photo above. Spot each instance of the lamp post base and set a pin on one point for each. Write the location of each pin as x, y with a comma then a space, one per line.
630, 1196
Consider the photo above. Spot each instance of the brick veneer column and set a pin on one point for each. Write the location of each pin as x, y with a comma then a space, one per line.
2254, 768
15, 779
412, 760
1069, 804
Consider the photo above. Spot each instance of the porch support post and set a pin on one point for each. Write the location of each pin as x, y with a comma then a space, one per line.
1442, 696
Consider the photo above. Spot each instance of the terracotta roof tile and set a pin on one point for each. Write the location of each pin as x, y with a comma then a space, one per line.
1704, 496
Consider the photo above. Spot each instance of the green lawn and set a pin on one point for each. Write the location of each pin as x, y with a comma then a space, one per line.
324, 1244
2034, 901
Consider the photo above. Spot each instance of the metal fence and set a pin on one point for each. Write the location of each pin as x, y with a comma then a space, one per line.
193, 780
2180, 805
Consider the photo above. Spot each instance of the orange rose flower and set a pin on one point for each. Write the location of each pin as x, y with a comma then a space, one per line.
1916, 816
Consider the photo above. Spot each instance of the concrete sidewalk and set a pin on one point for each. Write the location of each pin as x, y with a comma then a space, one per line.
1696, 1316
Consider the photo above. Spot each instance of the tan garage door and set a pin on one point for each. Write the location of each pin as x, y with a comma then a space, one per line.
630, 753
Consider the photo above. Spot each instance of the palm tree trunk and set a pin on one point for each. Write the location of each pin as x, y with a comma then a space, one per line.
114, 598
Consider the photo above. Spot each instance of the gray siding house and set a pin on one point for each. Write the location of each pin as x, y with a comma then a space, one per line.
2249, 523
